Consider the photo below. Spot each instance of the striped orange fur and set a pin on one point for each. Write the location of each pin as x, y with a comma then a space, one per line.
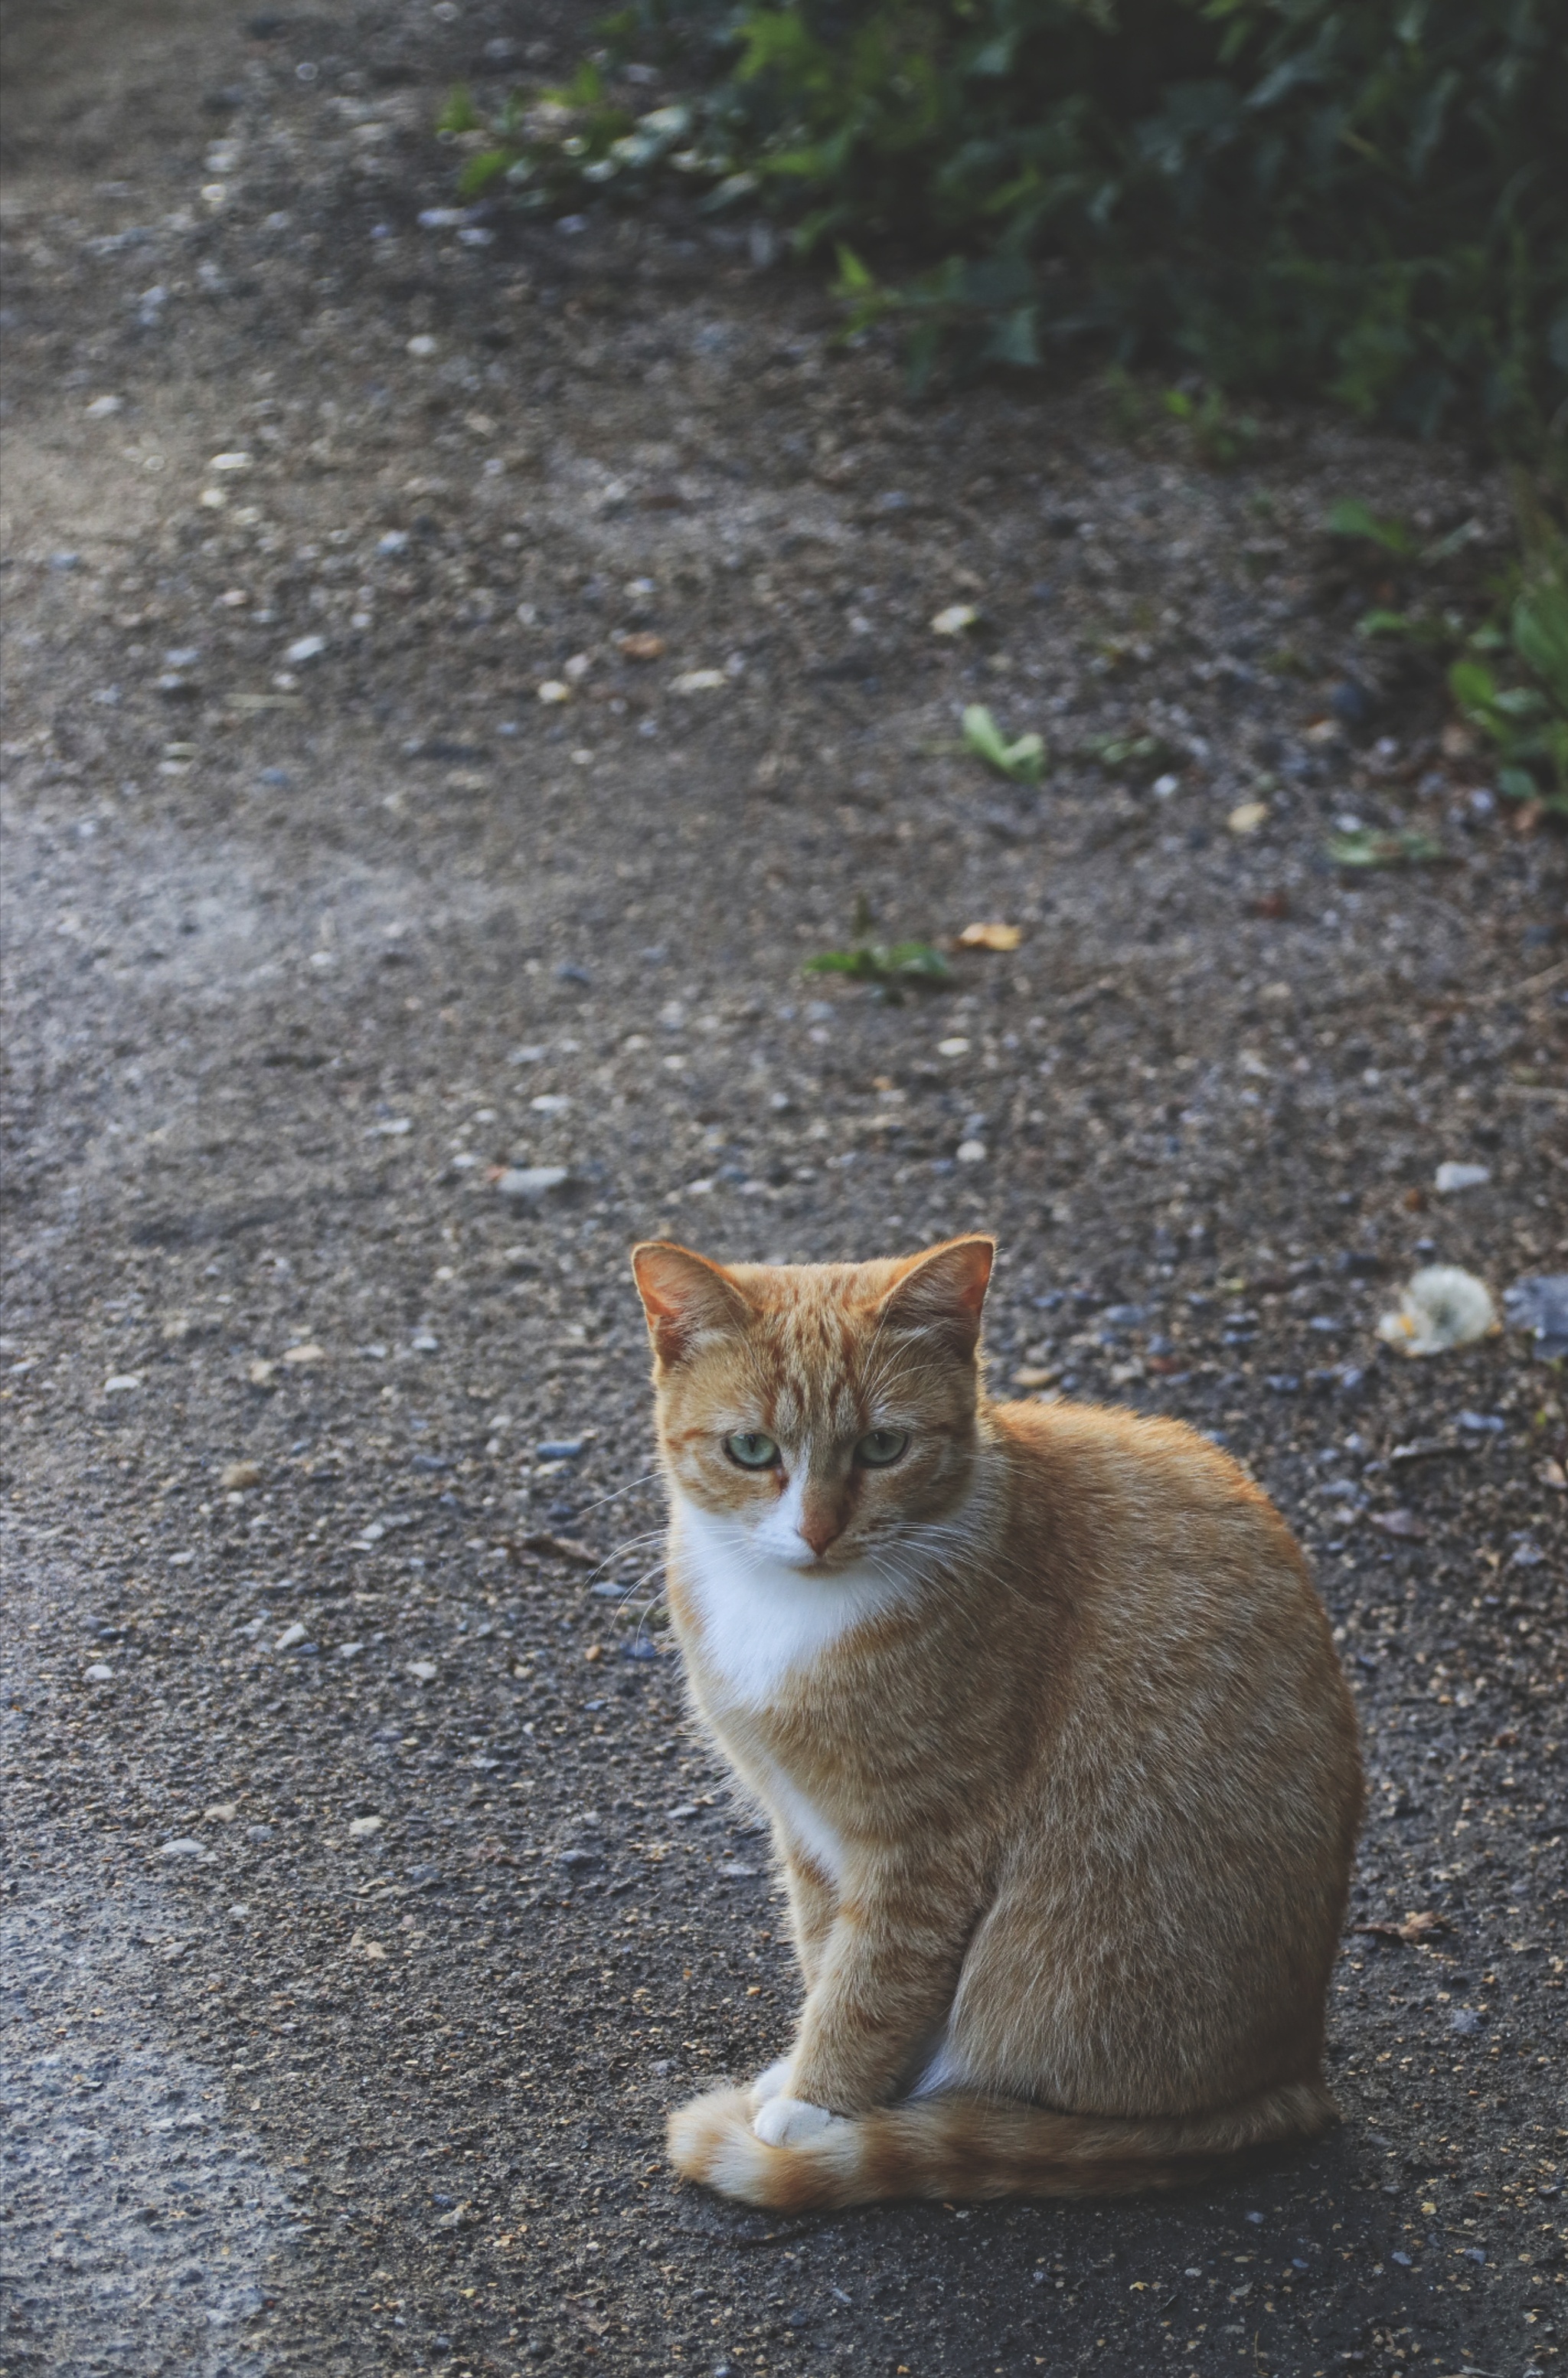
1043, 1711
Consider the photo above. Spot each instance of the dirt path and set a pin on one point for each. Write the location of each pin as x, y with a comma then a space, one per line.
367, 1901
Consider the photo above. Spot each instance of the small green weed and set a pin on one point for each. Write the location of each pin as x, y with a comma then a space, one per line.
1371, 846
1351, 518
1023, 761
1148, 754
1221, 437
1526, 720
892, 968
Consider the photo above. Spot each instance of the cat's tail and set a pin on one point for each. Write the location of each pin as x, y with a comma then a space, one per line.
958, 2145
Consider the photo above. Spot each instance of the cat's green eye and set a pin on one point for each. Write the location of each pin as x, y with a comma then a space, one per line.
751, 1449
882, 1446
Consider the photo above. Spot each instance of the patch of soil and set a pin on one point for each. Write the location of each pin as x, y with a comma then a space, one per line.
333, 935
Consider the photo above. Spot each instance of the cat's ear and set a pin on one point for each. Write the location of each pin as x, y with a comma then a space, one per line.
943, 1292
685, 1297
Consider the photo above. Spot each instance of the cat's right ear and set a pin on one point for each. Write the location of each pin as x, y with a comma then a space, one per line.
685, 1297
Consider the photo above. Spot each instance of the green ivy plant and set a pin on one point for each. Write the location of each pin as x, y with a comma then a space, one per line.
1275, 196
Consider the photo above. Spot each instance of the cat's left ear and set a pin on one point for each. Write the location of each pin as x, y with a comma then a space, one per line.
944, 1291
685, 1297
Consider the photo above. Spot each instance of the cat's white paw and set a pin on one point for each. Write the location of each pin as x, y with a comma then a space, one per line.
770, 2082
790, 2121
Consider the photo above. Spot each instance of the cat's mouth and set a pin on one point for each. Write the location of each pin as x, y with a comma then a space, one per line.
803, 1562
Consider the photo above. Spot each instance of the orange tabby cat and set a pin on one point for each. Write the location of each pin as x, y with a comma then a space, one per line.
1061, 1767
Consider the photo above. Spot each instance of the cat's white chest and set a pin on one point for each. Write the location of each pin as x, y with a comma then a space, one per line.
760, 1623
760, 1627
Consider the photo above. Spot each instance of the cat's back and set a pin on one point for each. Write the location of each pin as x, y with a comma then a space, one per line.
1152, 1533
1093, 1450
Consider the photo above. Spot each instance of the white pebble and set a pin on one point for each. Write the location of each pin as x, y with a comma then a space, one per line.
531, 1183
1449, 1178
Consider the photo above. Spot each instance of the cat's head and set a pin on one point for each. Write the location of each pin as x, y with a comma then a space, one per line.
826, 1411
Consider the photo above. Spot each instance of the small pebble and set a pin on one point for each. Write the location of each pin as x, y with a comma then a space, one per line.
361, 1828
184, 1848
239, 1475
560, 1449
99, 1674
1540, 1305
293, 1633
530, 1183
1451, 1178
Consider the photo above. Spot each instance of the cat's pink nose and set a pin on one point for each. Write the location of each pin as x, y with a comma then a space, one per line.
820, 1526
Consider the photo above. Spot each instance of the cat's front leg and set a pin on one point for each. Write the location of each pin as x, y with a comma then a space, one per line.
883, 1989
813, 1903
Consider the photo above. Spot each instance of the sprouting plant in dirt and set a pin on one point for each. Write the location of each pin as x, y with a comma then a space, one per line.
1373, 847
1420, 624
892, 968
1507, 672
1525, 714
1221, 437
1147, 754
1022, 761
1351, 518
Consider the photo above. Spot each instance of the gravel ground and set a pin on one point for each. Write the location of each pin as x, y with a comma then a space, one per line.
368, 1900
